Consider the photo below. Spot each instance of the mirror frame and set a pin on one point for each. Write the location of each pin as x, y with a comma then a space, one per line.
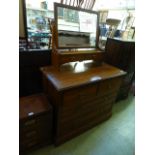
56, 5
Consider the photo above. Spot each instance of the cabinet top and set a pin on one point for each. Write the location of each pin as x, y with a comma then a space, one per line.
33, 105
80, 73
123, 40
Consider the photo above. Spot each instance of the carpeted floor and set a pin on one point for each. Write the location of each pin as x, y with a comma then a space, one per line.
113, 137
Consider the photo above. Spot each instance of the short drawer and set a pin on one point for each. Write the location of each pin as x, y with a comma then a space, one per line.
28, 135
33, 139
28, 143
70, 58
33, 143
42, 131
65, 59
109, 86
74, 94
35, 122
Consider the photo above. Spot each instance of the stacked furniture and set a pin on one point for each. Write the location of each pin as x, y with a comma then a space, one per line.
81, 93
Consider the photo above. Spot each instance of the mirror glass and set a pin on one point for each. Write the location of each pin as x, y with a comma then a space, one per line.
76, 28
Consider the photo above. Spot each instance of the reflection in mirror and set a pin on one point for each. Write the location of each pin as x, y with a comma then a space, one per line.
76, 28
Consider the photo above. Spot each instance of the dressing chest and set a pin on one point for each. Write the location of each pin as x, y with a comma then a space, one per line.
81, 97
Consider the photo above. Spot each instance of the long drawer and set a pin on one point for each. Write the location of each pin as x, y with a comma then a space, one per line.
90, 105
73, 118
75, 128
87, 103
94, 90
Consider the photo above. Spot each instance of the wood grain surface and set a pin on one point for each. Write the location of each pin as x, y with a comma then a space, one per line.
78, 73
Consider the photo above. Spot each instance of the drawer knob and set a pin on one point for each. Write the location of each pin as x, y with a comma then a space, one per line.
30, 113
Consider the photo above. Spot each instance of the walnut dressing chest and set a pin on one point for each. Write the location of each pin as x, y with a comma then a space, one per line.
82, 94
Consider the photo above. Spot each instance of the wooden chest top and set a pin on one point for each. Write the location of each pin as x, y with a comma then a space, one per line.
33, 105
80, 73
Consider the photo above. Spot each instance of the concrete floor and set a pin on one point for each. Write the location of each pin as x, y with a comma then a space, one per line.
113, 137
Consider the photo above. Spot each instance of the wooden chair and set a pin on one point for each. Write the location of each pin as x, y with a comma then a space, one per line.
85, 4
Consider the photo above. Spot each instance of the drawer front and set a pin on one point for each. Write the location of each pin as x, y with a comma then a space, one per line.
79, 57
68, 58
35, 133
28, 135
65, 128
85, 108
84, 114
85, 90
97, 106
72, 95
33, 143
110, 85
41, 132
35, 123
24, 145
72, 99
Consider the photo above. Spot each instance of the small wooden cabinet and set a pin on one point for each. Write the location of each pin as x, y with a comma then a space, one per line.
121, 54
35, 124
81, 98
